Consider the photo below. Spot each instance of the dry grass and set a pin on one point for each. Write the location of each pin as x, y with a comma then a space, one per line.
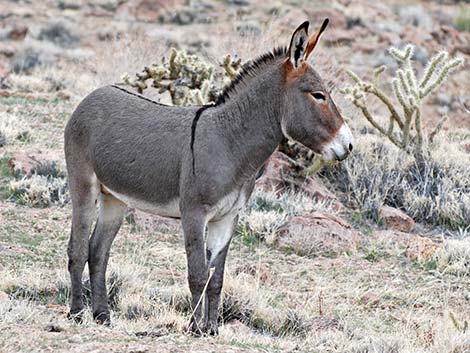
373, 300
436, 193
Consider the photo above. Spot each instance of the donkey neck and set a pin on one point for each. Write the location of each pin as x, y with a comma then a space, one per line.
251, 116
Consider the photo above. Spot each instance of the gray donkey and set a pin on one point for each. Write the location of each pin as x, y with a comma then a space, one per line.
194, 163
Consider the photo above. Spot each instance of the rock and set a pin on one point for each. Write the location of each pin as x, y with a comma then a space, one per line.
338, 36
449, 37
59, 34
315, 189
279, 176
75, 339
4, 298
420, 248
415, 247
53, 327
29, 58
16, 32
158, 332
184, 16
396, 219
416, 16
370, 299
27, 163
324, 323
317, 233
68, 5
420, 39
146, 10
338, 19
261, 272
239, 2
275, 170
7, 50
366, 48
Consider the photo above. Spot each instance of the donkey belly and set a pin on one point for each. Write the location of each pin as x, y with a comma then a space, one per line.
169, 209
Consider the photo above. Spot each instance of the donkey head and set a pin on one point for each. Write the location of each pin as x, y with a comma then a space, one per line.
310, 116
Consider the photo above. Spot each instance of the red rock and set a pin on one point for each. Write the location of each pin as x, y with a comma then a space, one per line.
146, 10
317, 233
279, 176
338, 36
18, 32
337, 18
276, 169
315, 188
415, 247
367, 48
416, 35
4, 297
396, 219
324, 323
24, 162
370, 299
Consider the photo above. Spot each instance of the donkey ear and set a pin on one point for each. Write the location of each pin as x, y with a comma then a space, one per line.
312, 42
298, 45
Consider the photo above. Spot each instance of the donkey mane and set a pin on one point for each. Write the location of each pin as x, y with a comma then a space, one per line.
249, 70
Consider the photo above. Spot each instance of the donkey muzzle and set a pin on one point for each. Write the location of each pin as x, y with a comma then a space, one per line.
341, 146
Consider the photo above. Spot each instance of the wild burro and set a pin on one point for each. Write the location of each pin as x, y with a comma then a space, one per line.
194, 163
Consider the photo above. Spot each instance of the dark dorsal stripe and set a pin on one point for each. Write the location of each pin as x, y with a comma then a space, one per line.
193, 129
139, 96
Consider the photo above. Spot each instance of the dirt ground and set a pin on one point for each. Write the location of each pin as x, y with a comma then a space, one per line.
376, 290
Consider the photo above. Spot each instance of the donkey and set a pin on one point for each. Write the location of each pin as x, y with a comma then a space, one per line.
198, 164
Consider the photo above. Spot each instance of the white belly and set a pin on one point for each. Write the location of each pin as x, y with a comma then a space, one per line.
171, 209
229, 204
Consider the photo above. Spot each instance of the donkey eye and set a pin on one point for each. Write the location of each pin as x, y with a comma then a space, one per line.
319, 95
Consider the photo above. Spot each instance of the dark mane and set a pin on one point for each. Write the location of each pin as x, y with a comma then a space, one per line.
249, 69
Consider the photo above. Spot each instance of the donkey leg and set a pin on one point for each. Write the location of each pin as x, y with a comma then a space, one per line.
218, 241
109, 221
194, 225
83, 215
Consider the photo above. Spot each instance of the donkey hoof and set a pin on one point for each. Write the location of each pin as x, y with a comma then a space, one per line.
195, 329
102, 318
212, 329
75, 316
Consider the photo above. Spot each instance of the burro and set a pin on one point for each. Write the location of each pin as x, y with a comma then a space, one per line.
198, 164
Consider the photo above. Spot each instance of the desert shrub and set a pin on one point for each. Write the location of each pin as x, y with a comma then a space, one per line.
38, 191
59, 34
462, 21
14, 128
454, 257
43, 186
404, 128
433, 191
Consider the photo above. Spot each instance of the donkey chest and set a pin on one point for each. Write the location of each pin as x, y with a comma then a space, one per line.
230, 203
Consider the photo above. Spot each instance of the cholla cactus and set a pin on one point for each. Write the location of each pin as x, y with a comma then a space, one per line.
188, 79
409, 91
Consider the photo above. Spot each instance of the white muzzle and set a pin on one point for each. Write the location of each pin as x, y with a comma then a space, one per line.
341, 146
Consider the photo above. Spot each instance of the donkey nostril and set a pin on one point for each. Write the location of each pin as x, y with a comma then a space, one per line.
350, 147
